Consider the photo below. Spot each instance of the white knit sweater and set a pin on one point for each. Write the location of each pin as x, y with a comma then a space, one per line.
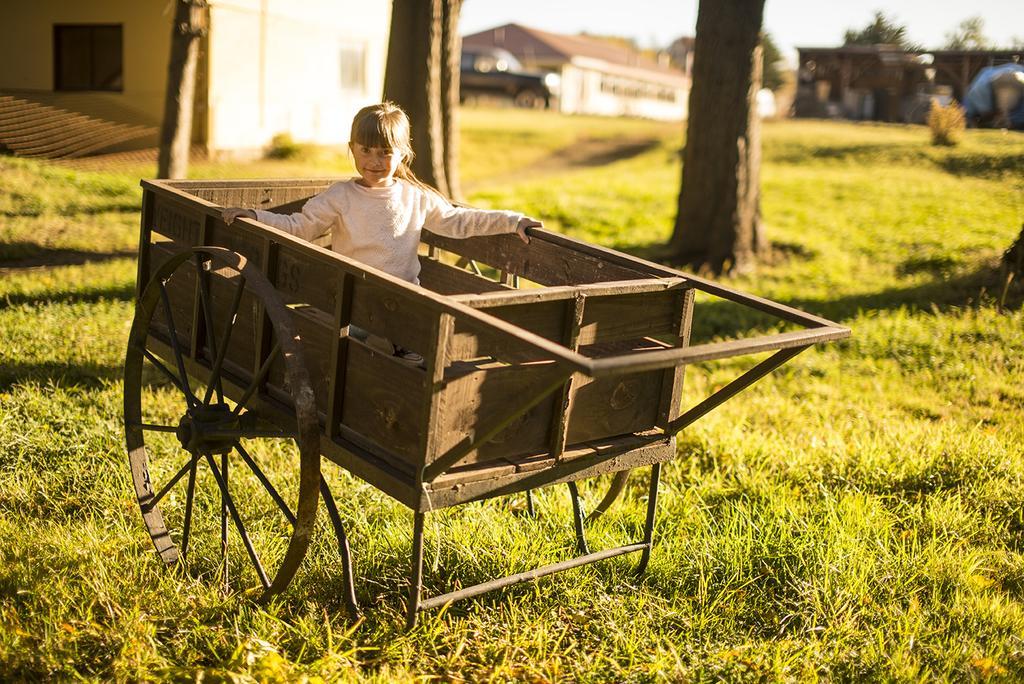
381, 226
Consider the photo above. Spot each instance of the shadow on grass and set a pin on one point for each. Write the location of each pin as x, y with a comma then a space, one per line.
78, 374
984, 166
875, 153
16, 256
121, 293
73, 210
942, 293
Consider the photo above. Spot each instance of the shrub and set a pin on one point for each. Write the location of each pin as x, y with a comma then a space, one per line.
946, 122
283, 146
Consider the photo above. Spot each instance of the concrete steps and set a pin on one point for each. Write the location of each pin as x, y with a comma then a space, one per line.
32, 129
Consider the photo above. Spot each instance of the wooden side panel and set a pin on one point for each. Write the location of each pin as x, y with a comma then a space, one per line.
402, 317
472, 402
302, 280
628, 317
613, 406
471, 341
384, 402
175, 228
181, 292
449, 280
259, 194
540, 261
240, 240
317, 337
240, 360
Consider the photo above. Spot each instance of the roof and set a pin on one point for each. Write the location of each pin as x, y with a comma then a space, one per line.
536, 45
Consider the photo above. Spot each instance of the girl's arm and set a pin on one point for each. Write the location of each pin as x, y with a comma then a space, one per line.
316, 217
463, 222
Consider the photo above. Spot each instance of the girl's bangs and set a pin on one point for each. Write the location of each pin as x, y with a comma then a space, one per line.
373, 131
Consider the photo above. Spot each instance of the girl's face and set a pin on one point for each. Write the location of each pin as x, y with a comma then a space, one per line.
376, 165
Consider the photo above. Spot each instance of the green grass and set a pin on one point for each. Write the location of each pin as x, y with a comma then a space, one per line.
856, 515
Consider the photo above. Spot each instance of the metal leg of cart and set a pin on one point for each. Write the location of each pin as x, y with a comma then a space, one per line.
577, 519
343, 548
417, 603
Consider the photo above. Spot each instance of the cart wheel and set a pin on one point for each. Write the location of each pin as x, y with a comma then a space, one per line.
201, 462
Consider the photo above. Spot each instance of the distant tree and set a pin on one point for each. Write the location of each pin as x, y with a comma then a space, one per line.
718, 225
176, 130
422, 77
968, 35
773, 66
882, 29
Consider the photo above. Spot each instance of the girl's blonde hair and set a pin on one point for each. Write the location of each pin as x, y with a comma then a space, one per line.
386, 125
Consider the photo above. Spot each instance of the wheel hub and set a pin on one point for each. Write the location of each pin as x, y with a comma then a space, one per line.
202, 430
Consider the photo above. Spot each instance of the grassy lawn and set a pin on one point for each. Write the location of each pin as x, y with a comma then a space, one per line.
859, 514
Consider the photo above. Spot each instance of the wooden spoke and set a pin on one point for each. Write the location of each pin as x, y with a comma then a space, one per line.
230, 504
252, 434
203, 279
225, 339
258, 472
175, 346
261, 374
166, 371
189, 496
155, 428
167, 487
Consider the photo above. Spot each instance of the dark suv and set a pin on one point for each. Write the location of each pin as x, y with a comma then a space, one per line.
493, 72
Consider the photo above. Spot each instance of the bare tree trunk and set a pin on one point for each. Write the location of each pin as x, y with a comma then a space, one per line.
451, 57
176, 130
422, 78
718, 226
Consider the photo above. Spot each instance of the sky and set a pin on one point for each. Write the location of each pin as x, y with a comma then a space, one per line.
792, 23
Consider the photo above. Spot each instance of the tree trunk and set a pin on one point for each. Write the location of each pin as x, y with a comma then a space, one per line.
176, 130
422, 78
451, 57
718, 226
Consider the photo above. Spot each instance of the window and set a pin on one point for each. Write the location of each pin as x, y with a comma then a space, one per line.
353, 68
88, 57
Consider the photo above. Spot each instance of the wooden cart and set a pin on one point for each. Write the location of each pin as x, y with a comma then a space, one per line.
564, 364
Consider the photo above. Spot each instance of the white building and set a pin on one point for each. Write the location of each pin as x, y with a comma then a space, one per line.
302, 67
597, 77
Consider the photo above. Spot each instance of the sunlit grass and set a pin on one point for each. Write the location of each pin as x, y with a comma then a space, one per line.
855, 515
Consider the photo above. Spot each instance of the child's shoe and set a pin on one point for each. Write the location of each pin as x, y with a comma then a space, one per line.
410, 357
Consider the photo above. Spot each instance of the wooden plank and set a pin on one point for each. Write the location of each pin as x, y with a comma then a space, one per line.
473, 401
632, 451
145, 226
542, 262
302, 280
395, 314
672, 378
448, 280
237, 239
199, 331
613, 406
435, 373
177, 222
628, 317
339, 355
506, 296
241, 351
317, 337
574, 316
181, 292
383, 402
472, 340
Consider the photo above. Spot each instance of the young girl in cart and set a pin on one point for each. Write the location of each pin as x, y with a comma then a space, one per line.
377, 217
